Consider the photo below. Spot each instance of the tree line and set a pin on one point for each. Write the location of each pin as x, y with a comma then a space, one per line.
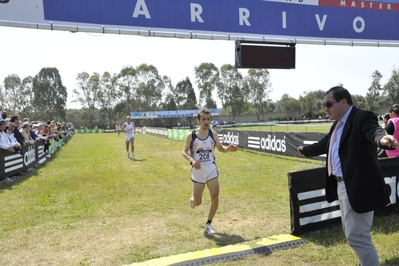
106, 98
310, 104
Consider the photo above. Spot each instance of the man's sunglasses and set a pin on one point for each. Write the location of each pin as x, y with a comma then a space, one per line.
328, 104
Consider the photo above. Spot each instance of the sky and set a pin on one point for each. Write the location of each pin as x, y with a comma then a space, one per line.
318, 67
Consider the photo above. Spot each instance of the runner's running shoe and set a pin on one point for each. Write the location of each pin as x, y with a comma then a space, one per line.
209, 230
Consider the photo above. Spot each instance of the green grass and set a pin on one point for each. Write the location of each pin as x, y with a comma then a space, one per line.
90, 205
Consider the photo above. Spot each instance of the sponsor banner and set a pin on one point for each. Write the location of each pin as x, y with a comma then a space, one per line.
54, 145
169, 114
95, 130
163, 132
262, 141
271, 142
381, 5
14, 163
309, 207
40, 151
178, 134
281, 20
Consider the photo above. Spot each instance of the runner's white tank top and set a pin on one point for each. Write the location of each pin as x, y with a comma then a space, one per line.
129, 128
202, 150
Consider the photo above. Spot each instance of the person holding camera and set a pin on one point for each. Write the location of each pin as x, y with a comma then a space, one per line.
385, 119
381, 152
392, 128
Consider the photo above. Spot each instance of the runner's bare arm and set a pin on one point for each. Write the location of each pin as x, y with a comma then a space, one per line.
186, 150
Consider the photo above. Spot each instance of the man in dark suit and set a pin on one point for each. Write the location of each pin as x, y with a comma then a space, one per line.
353, 174
15, 121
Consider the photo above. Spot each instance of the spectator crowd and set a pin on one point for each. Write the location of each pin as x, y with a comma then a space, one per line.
16, 133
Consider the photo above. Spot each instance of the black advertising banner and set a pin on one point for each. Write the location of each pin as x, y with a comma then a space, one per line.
14, 163
281, 143
390, 169
309, 207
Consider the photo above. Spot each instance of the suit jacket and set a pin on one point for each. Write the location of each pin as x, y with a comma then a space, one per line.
18, 135
361, 170
33, 134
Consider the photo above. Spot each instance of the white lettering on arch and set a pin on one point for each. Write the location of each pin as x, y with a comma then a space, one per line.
196, 11
244, 15
284, 19
141, 9
362, 24
321, 23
